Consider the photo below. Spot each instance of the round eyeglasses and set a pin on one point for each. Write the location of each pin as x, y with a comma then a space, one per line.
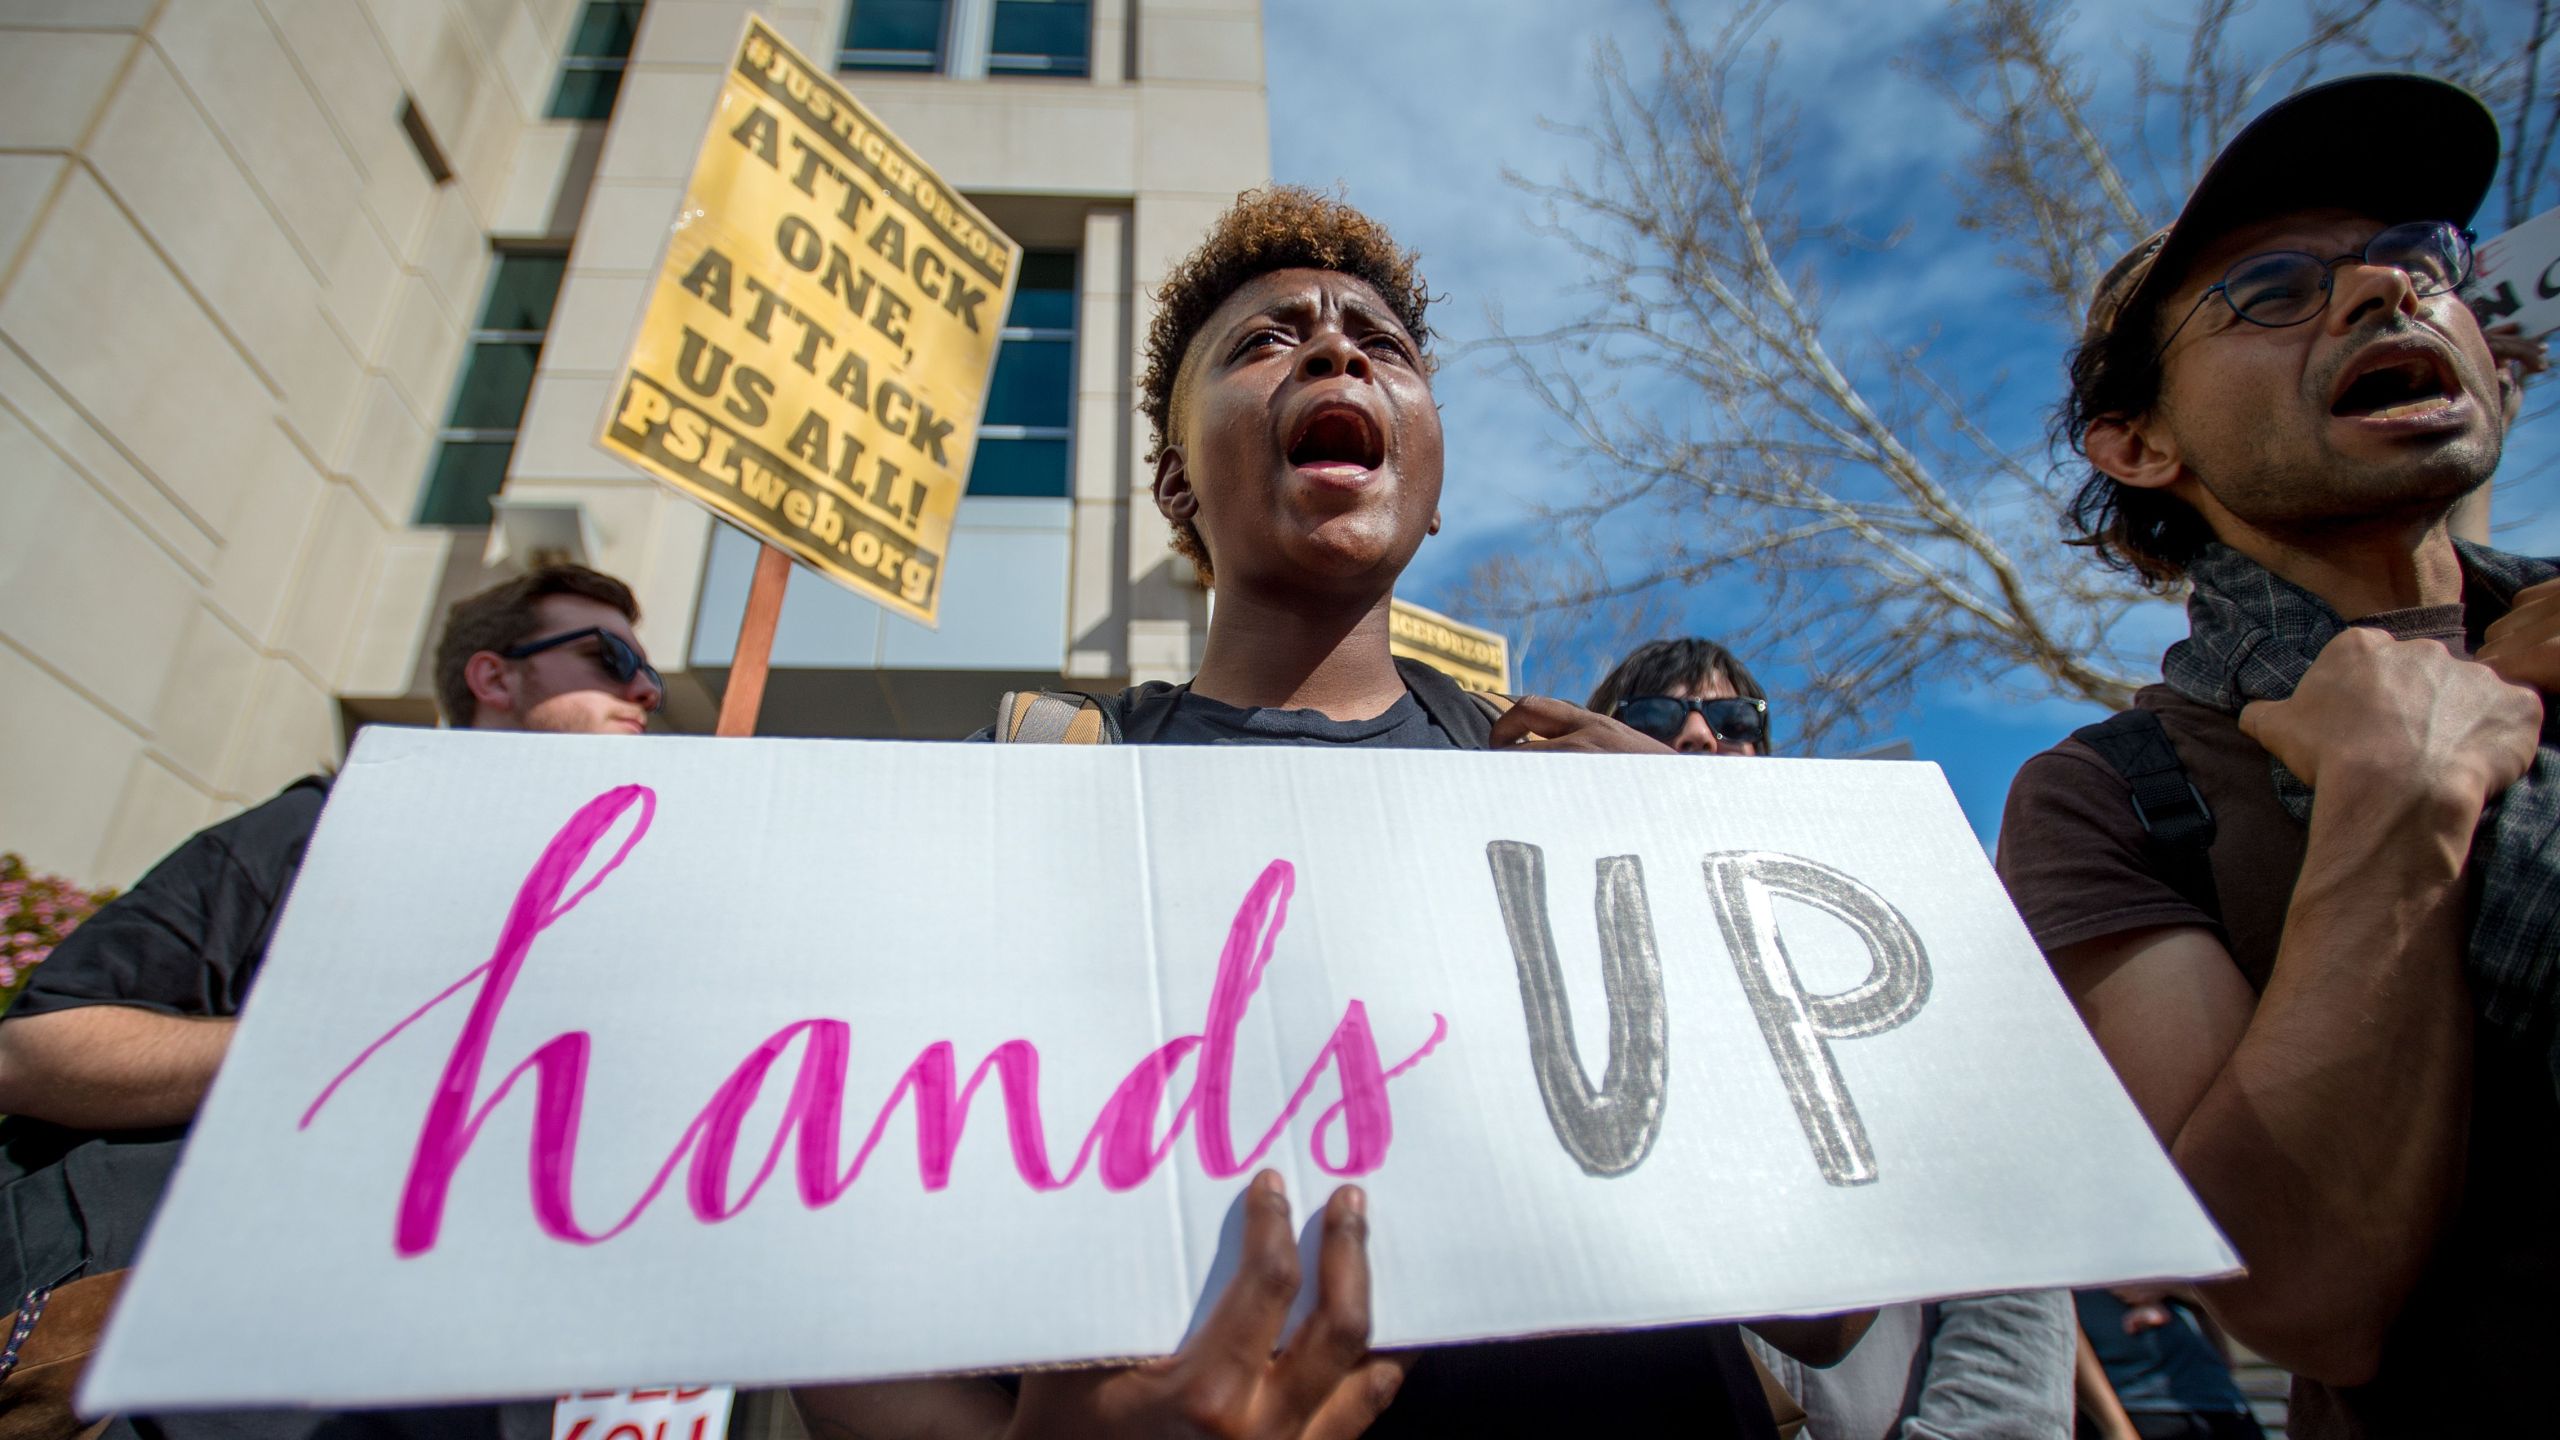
2287, 287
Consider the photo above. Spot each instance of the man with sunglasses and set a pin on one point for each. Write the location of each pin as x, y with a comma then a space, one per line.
108, 1052
2307, 894
1691, 694
552, 651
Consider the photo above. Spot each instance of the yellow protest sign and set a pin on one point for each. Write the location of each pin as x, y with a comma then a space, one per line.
1477, 659
815, 357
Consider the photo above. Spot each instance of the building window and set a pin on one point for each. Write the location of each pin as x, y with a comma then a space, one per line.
968, 38
479, 433
894, 35
1022, 446
591, 70
1040, 37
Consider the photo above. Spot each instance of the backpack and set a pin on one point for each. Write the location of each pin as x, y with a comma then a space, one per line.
1070, 717
2177, 825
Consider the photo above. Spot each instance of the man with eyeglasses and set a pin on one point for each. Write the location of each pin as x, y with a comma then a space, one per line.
106, 1055
2307, 893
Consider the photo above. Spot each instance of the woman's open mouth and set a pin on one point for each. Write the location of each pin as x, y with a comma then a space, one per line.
1337, 441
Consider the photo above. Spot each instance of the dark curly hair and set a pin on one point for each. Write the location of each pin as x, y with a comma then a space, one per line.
1278, 227
2115, 373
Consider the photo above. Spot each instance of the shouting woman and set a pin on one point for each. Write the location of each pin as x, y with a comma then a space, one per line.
1297, 456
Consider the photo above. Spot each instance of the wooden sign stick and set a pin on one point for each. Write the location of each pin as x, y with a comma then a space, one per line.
745, 693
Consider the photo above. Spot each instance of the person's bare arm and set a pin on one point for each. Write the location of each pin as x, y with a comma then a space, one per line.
2323, 1123
109, 1067
2095, 1395
1232, 1378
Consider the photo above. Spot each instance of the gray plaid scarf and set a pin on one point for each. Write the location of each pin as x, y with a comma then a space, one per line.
2252, 635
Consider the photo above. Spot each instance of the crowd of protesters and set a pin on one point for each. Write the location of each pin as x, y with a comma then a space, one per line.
2339, 1018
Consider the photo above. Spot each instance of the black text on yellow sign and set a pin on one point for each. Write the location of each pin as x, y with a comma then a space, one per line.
815, 356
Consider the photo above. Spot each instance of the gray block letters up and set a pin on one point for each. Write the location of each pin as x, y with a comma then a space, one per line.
1610, 1130
1800, 1027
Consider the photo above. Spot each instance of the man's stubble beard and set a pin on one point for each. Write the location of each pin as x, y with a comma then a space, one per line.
2305, 489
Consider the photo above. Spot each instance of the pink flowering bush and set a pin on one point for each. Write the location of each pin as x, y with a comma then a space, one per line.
36, 912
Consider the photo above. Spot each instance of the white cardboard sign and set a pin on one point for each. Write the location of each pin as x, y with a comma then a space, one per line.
581, 1061
2516, 276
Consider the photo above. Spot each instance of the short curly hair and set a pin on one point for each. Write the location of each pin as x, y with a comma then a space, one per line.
1278, 227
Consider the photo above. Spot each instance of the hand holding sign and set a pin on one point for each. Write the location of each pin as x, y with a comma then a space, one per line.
1231, 1377
1324, 1384
1536, 722
2515, 279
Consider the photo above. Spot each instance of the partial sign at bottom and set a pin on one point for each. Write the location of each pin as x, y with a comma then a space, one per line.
665, 1412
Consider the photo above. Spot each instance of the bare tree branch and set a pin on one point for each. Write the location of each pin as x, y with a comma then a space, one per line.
1875, 528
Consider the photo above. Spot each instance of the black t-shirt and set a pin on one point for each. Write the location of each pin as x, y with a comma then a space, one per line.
186, 940
1199, 720
1692, 1381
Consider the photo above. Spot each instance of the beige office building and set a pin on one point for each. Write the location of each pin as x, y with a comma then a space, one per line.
308, 314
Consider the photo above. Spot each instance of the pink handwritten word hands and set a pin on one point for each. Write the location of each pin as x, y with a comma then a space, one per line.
1122, 1135
1225, 1381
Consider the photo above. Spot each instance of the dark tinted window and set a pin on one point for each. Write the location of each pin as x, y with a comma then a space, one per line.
599, 50
479, 432
467, 473
1031, 401
1034, 382
1045, 297
1020, 467
521, 291
1040, 37
495, 381
894, 35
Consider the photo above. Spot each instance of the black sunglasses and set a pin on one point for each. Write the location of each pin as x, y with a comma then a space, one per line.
618, 656
1734, 719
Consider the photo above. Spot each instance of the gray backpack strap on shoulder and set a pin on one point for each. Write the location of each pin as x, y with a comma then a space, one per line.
1051, 717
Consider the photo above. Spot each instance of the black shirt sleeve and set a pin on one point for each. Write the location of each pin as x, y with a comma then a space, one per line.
187, 939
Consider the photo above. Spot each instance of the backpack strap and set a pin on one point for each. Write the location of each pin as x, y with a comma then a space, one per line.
2176, 822
1052, 717
1464, 715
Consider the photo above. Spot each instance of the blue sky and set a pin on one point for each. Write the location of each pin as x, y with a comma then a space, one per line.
1414, 108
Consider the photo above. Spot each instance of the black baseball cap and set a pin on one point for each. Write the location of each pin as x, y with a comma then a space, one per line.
2395, 147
